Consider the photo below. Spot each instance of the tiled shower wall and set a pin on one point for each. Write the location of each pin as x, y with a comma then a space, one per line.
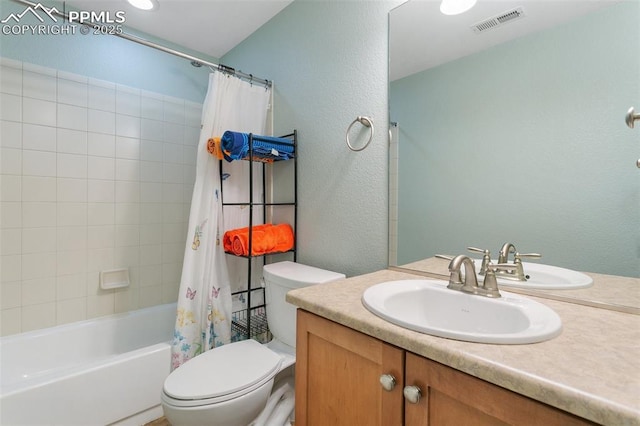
95, 176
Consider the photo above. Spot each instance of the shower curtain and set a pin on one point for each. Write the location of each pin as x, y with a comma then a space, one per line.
203, 318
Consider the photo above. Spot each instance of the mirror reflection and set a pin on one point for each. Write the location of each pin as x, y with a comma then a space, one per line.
516, 132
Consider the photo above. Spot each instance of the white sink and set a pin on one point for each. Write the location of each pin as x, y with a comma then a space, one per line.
543, 277
429, 307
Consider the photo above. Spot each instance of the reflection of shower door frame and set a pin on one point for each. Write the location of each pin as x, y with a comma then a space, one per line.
394, 133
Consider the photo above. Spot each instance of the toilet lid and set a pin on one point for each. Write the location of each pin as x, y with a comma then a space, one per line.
227, 369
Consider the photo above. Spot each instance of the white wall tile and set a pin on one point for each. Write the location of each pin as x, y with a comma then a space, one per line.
10, 321
10, 134
12, 63
72, 214
10, 161
101, 214
39, 240
65, 75
10, 214
173, 173
128, 148
36, 214
172, 192
173, 133
72, 117
72, 93
102, 122
173, 110
192, 114
102, 145
152, 107
72, 262
100, 305
151, 129
71, 310
71, 238
127, 169
150, 213
38, 265
151, 234
11, 80
100, 259
101, 98
172, 213
72, 166
127, 235
39, 86
151, 171
10, 188
10, 295
151, 150
189, 155
127, 103
127, 192
71, 141
10, 107
38, 111
101, 168
71, 286
102, 191
127, 213
127, 126
172, 153
191, 136
38, 188
71, 190
11, 268
127, 257
101, 236
189, 178
150, 275
52, 72
40, 290
39, 138
38, 163
150, 254
35, 317
151, 192
11, 240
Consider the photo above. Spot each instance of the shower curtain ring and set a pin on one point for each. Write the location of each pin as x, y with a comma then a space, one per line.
365, 121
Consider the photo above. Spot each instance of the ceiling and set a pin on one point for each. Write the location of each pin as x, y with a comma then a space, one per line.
421, 37
213, 27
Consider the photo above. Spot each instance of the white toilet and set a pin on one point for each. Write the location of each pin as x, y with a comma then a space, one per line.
230, 385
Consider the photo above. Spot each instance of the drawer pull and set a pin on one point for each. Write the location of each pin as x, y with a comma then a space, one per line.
388, 382
412, 394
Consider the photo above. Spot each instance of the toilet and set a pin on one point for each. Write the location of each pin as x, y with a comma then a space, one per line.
230, 385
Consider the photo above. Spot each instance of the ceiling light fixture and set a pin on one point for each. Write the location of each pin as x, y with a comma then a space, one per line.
144, 4
456, 7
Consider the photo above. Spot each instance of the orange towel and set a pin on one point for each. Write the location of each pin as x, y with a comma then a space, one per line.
267, 238
214, 148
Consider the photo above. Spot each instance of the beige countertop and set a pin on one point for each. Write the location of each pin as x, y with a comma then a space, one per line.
591, 370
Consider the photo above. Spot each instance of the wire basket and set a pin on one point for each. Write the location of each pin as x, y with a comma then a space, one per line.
258, 327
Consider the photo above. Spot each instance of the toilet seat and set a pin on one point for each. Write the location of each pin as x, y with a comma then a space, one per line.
222, 374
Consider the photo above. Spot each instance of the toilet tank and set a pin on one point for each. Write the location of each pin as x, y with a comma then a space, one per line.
281, 277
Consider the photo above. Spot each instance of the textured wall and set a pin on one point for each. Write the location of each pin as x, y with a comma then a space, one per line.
329, 63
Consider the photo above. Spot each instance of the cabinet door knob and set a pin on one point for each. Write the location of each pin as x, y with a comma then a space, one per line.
388, 382
412, 394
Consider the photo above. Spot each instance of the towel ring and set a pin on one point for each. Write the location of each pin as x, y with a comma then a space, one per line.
365, 121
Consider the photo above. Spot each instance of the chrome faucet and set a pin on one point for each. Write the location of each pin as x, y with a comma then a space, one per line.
470, 285
516, 271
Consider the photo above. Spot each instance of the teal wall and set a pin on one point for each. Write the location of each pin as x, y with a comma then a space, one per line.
329, 63
526, 143
108, 58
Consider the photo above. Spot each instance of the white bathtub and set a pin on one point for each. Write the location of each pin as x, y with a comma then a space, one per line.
96, 372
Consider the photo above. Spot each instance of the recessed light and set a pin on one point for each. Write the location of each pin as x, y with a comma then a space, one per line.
455, 7
144, 4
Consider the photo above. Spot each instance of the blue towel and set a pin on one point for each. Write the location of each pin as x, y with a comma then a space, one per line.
235, 146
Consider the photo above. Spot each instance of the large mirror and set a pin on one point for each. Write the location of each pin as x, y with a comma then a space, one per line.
508, 125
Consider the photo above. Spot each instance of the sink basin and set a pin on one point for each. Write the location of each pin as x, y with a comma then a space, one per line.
543, 277
429, 307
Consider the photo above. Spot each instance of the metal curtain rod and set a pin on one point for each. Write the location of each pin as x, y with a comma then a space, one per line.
194, 60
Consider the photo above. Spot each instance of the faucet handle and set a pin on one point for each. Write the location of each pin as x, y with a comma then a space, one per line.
486, 258
444, 256
520, 255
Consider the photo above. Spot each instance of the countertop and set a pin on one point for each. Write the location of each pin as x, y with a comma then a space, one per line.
591, 370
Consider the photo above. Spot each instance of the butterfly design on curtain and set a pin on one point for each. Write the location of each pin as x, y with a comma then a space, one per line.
197, 234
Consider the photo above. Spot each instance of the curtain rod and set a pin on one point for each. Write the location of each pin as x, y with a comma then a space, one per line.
195, 61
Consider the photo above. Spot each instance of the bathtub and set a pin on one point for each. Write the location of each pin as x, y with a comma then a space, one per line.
96, 372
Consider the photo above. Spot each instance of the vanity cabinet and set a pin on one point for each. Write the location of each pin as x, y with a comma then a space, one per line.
338, 374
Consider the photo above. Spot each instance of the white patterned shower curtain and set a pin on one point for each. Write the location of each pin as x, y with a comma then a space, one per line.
204, 300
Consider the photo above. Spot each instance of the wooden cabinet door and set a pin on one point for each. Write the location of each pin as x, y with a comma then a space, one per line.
450, 397
338, 376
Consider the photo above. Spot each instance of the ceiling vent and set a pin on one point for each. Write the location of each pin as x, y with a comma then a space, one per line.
498, 20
